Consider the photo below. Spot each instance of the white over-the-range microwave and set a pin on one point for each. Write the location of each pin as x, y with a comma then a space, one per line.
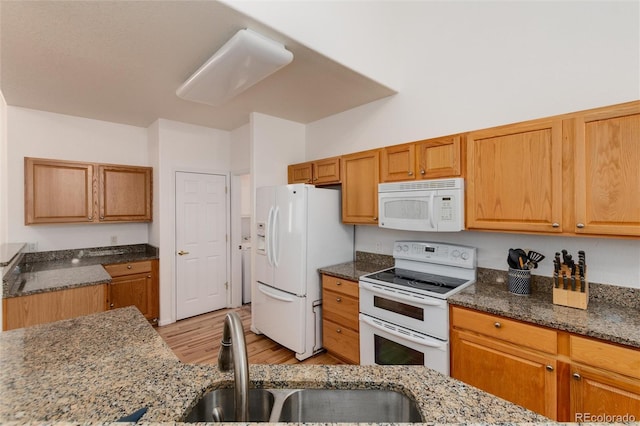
434, 205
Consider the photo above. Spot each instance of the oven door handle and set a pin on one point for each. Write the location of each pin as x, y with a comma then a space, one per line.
427, 301
424, 342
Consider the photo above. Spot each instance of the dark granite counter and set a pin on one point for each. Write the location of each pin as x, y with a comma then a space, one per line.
612, 313
57, 270
101, 367
365, 263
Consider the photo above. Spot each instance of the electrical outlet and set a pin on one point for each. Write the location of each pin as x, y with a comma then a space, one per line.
32, 247
114, 240
378, 247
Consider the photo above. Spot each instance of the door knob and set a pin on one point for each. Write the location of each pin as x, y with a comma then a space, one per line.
182, 253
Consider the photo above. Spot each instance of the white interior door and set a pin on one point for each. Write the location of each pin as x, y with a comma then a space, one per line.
201, 243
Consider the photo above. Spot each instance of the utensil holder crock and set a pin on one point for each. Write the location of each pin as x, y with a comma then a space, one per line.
519, 281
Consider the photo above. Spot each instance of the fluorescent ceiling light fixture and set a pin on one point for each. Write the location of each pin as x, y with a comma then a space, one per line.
244, 60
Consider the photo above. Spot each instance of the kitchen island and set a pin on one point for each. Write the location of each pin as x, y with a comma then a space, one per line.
101, 367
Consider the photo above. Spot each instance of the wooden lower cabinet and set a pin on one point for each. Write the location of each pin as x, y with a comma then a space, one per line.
340, 324
42, 308
135, 284
574, 379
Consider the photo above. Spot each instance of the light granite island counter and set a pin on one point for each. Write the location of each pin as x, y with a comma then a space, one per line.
101, 367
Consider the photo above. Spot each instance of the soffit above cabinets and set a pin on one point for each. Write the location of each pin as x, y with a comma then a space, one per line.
122, 62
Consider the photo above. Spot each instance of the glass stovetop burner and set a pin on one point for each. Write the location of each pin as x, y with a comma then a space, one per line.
418, 280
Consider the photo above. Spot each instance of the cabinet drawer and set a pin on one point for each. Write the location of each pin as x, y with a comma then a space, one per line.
341, 341
340, 308
120, 269
340, 285
602, 355
525, 335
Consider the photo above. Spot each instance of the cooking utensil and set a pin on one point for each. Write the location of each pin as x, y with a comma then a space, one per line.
534, 258
517, 258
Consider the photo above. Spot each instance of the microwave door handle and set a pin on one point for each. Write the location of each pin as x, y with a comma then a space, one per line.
432, 208
429, 343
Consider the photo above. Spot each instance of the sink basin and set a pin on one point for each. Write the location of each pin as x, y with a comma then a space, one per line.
260, 406
310, 405
358, 406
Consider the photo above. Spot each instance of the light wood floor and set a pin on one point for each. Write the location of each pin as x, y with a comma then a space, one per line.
197, 340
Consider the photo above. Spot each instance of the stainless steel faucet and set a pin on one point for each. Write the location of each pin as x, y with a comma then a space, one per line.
233, 354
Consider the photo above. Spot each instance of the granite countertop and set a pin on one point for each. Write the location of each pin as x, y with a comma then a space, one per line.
57, 270
365, 263
100, 367
611, 315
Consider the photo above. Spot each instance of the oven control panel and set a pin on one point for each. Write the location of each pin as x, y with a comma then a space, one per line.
440, 253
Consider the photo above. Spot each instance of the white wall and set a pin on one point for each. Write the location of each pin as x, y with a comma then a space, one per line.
179, 147
468, 65
32, 133
3, 173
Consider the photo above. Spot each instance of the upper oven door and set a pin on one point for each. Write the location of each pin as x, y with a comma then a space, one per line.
415, 311
408, 210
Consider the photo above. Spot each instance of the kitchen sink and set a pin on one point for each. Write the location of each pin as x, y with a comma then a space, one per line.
260, 406
310, 405
357, 406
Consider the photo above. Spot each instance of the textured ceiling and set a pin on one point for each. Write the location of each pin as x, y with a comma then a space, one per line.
122, 61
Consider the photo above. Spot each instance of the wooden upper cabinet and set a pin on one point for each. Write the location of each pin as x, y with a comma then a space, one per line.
398, 163
360, 177
59, 191
125, 193
440, 158
607, 171
318, 172
514, 177
427, 159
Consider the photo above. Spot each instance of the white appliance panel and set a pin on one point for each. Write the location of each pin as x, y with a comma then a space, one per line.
281, 316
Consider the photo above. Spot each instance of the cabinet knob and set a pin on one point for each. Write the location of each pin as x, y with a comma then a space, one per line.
375, 218
338, 283
549, 367
497, 325
90, 217
555, 225
148, 276
338, 299
580, 225
128, 266
339, 330
111, 305
410, 173
422, 171
577, 376
101, 217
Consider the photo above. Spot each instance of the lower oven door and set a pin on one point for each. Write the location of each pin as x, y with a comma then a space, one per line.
383, 343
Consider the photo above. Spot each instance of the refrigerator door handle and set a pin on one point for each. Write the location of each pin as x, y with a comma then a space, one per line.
265, 290
276, 241
268, 236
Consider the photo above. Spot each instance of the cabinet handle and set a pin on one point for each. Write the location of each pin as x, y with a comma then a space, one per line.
577, 376
497, 325
549, 367
148, 276
338, 299
101, 217
410, 173
339, 330
555, 225
128, 266
90, 217
338, 283
375, 218
111, 305
580, 225
422, 171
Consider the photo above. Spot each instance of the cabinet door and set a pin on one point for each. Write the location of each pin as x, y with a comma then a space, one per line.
326, 171
439, 158
596, 394
300, 173
58, 191
132, 290
397, 163
607, 176
514, 177
341, 341
360, 178
124, 193
522, 377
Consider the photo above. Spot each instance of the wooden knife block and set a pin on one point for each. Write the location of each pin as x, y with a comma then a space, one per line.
570, 298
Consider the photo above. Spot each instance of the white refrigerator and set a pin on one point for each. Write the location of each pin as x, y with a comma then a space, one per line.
299, 229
